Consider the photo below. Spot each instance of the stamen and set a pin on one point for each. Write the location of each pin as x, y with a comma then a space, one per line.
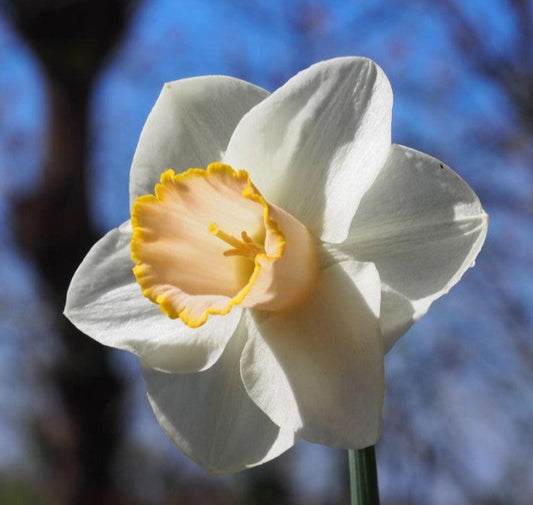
245, 247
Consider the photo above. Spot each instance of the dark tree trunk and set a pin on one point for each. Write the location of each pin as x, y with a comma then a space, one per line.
71, 40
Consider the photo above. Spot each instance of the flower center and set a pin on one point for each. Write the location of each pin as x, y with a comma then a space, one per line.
180, 266
245, 247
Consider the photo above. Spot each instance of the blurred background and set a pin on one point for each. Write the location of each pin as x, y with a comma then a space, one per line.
77, 80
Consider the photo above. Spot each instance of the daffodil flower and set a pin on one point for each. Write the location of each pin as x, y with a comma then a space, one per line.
279, 245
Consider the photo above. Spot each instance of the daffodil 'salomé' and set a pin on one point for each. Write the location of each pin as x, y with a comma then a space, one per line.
278, 246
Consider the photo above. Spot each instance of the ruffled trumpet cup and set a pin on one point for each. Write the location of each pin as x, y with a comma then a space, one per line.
262, 279
182, 258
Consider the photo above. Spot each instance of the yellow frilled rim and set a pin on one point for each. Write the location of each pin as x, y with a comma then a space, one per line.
174, 219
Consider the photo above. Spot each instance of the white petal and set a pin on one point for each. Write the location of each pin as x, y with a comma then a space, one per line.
316, 145
318, 369
210, 417
105, 302
423, 227
189, 127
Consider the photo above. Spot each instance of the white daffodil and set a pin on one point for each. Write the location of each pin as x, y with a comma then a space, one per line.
273, 289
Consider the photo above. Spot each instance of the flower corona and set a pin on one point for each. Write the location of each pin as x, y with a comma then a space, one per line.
181, 267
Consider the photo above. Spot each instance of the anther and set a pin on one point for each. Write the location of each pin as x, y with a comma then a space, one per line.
246, 247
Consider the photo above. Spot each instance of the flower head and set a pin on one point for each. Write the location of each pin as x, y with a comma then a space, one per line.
279, 245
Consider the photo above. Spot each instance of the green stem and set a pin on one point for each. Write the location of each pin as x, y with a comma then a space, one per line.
363, 476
